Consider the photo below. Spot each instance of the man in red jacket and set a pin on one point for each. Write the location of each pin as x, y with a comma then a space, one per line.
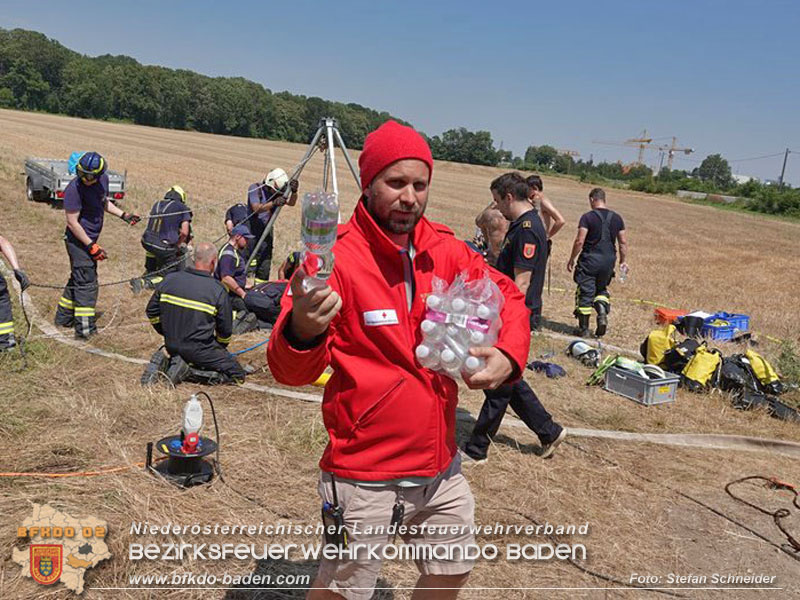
392, 455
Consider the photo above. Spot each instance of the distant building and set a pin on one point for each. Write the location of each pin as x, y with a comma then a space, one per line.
744, 178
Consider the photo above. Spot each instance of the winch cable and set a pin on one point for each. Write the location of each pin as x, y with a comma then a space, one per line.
777, 515
687, 497
218, 466
586, 570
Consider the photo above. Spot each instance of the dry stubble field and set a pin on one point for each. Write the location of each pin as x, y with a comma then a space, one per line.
72, 411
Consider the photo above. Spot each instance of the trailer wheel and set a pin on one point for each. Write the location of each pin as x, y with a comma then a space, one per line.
31, 193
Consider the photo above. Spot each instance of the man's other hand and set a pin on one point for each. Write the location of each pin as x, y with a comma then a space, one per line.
497, 370
312, 310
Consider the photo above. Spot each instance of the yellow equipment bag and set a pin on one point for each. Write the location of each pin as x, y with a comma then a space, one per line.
697, 375
657, 343
761, 368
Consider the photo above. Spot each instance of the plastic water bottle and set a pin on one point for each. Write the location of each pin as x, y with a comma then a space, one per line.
320, 217
485, 312
623, 273
428, 357
473, 364
434, 301
433, 331
476, 338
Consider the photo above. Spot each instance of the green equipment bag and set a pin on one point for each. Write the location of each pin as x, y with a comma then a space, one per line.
657, 343
699, 373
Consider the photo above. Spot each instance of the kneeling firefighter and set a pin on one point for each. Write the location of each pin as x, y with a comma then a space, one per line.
599, 230
192, 310
165, 240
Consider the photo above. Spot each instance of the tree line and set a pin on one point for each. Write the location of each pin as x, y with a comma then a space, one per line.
38, 73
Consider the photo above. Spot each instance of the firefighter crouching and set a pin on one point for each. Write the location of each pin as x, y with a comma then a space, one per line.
192, 310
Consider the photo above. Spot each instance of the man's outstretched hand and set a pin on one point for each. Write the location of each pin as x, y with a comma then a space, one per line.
312, 310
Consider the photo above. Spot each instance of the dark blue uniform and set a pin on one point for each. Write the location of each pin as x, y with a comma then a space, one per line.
257, 194
519, 395
595, 267
160, 239
525, 247
232, 263
193, 313
76, 307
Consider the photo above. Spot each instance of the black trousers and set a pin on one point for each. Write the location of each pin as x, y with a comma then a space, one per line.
76, 307
160, 260
593, 273
6, 317
524, 402
262, 263
213, 357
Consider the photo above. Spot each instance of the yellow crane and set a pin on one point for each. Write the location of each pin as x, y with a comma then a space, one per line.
643, 142
670, 152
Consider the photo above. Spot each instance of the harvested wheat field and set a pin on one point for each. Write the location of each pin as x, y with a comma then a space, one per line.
652, 508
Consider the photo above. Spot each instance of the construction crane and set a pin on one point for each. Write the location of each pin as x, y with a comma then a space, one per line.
670, 152
643, 142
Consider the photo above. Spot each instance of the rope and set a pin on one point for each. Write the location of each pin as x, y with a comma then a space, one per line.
258, 345
687, 497
297, 169
106, 471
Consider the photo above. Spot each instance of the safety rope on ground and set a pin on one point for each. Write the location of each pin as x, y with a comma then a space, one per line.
296, 169
686, 496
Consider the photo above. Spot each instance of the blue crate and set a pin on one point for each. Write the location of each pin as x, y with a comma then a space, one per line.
719, 332
741, 322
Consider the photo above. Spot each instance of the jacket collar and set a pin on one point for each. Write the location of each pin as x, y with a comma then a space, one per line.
198, 272
423, 237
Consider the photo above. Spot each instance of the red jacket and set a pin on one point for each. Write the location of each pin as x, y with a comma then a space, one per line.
387, 417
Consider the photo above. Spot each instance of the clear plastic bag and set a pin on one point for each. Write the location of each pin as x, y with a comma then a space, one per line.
461, 316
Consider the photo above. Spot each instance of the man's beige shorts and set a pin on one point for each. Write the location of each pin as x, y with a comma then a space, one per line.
447, 501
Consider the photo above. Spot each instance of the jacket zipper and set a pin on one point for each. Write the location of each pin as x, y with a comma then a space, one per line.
376, 405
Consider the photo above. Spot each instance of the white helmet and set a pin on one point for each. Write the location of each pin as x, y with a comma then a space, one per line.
277, 179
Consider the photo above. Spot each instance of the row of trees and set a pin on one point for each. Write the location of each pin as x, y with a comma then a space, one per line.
37, 73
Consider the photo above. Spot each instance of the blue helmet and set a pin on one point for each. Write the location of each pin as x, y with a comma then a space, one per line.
90, 165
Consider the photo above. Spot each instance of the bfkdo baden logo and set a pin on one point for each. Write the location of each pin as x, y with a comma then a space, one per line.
46, 562
62, 548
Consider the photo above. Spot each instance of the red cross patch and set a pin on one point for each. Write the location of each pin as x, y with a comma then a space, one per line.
529, 250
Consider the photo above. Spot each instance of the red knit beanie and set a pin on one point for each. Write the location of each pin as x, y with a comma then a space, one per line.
387, 144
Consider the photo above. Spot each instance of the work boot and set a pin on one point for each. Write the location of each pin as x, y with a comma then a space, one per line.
137, 285
602, 320
246, 322
583, 326
155, 368
178, 370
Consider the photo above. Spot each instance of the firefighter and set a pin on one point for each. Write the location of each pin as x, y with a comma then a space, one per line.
262, 200
522, 257
231, 271
85, 203
192, 311
599, 231
7, 340
165, 239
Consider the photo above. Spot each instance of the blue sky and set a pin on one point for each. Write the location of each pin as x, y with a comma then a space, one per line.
721, 76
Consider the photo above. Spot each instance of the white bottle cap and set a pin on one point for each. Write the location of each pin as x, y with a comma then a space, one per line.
484, 312
472, 363
423, 351
476, 337
458, 305
427, 326
448, 355
433, 301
